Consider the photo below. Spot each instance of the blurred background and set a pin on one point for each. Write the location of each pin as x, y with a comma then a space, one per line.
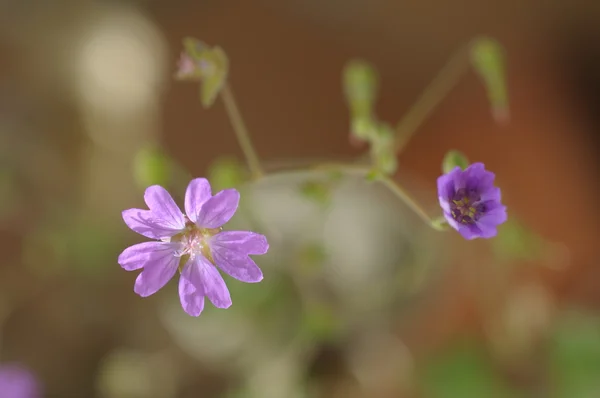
358, 300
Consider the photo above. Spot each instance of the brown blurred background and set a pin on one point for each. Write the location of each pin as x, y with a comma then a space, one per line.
84, 84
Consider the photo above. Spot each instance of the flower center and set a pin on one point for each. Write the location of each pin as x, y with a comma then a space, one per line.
465, 208
195, 241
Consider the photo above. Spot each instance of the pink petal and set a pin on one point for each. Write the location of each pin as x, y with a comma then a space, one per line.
244, 242
157, 272
206, 278
145, 223
219, 209
137, 256
163, 207
192, 300
239, 266
197, 193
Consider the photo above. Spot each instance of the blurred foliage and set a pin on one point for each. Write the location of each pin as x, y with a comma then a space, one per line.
452, 159
360, 82
487, 56
317, 191
575, 356
464, 371
320, 322
383, 153
210, 67
151, 166
227, 172
516, 242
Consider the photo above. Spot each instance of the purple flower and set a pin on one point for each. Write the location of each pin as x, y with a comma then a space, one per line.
470, 201
194, 243
17, 382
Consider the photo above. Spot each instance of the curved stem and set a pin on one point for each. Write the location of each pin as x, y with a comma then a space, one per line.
441, 85
389, 183
241, 132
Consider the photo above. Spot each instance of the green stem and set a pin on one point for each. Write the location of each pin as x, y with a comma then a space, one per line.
389, 183
441, 85
241, 132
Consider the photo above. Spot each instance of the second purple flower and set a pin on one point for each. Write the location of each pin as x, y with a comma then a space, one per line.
193, 243
471, 202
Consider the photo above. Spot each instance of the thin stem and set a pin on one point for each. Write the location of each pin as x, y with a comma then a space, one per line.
241, 132
389, 183
441, 85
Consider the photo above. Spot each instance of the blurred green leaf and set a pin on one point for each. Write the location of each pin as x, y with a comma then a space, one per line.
311, 257
383, 152
488, 59
516, 242
227, 172
194, 47
320, 323
364, 128
208, 65
360, 83
317, 191
464, 371
218, 63
373, 175
151, 166
575, 357
452, 159
360, 87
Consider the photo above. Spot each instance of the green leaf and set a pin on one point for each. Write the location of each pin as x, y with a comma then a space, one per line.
320, 322
360, 87
452, 159
312, 257
360, 83
215, 79
227, 173
373, 175
364, 128
151, 166
517, 242
488, 59
464, 371
383, 152
317, 191
194, 48
575, 357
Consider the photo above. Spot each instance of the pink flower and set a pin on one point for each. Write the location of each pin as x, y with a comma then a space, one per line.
194, 243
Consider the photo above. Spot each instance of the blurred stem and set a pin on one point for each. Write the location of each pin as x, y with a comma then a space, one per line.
441, 85
241, 132
389, 183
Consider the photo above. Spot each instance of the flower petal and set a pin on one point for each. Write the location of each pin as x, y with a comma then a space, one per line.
163, 207
145, 223
219, 209
158, 270
244, 242
137, 256
192, 299
207, 280
197, 193
469, 231
446, 182
494, 217
238, 265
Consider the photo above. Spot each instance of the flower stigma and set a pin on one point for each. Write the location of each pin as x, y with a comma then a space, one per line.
194, 241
